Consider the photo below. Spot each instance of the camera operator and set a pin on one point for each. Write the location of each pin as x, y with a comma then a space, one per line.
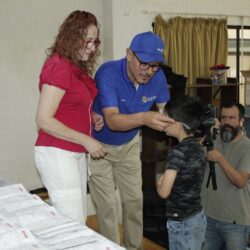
228, 207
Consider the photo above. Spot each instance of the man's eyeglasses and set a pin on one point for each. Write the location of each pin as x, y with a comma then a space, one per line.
91, 43
145, 66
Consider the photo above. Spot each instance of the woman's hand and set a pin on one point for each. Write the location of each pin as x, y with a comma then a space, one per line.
49, 101
94, 147
98, 121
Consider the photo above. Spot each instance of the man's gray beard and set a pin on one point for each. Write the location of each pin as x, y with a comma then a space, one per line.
227, 136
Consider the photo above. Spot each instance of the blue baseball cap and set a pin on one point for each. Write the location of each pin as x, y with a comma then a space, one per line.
148, 47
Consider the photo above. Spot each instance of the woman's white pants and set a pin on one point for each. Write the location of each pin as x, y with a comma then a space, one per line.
64, 174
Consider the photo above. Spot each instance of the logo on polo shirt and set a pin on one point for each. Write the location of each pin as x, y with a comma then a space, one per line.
148, 99
161, 50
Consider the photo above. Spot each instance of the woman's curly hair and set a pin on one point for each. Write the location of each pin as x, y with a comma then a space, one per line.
70, 39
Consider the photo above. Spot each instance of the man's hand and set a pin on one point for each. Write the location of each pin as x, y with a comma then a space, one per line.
214, 155
98, 121
157, 121
238, 178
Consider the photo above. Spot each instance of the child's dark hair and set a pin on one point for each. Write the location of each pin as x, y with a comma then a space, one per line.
187, 110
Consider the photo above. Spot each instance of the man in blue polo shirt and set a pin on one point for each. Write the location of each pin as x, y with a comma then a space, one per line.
127, 90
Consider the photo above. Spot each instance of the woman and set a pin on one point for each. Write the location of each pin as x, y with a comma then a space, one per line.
64, 115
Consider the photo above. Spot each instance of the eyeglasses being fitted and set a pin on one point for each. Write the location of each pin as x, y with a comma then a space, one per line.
145, 66
91, 43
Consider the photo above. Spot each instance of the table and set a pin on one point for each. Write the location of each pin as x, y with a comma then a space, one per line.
28, 223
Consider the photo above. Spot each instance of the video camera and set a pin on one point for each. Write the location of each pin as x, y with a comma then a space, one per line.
209, 134
207, 121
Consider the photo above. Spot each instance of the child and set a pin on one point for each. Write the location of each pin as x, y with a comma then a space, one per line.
182, 180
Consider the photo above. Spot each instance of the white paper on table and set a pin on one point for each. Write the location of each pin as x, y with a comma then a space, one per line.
5, 225
80, 241
94, 245
31, 247
15, 198
104, 245
33, 216
16, 238
27, 203
61, 231
66, 236
101, 238
46, 226
12, 190
18, 218
11, 218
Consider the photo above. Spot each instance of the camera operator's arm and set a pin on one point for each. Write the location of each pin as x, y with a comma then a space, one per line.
236, 177
166, 182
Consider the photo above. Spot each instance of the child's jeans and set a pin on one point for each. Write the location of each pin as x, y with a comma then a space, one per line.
188, 234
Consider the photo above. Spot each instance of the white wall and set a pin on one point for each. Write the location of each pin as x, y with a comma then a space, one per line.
27, 28
134, 16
